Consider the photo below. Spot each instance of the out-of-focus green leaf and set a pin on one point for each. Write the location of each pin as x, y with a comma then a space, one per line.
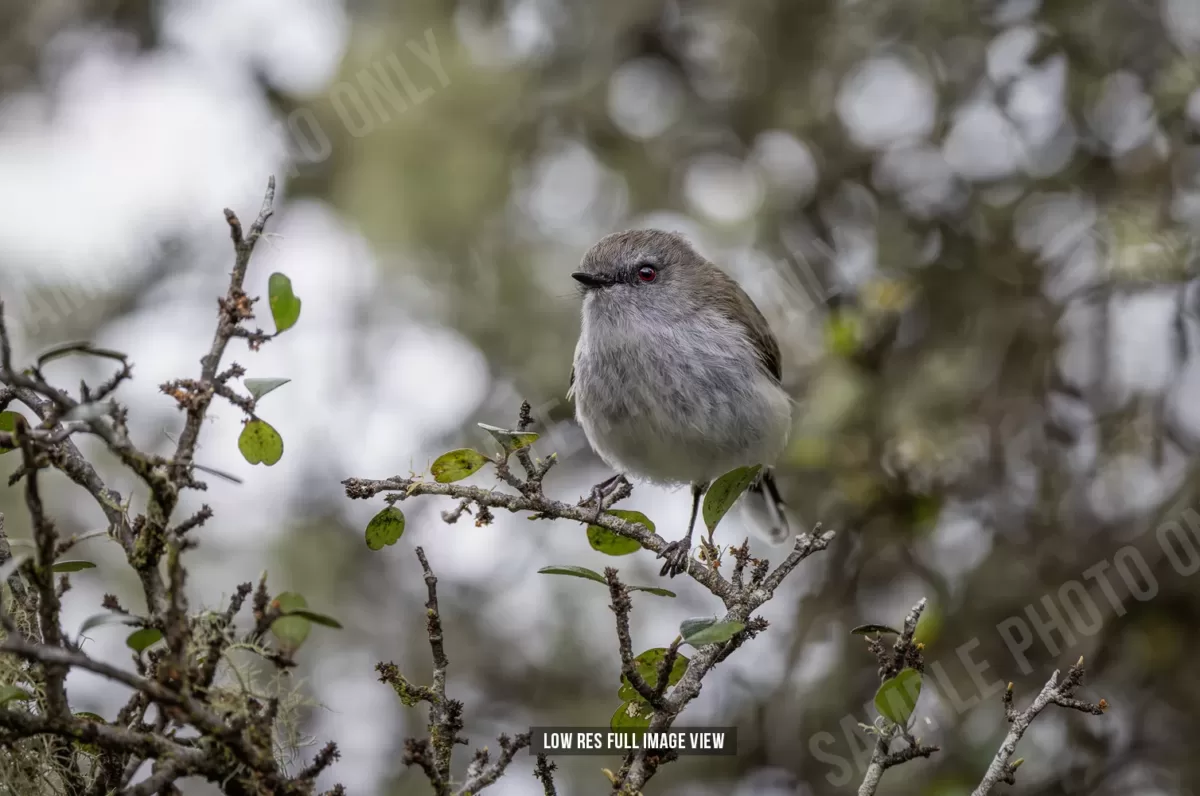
897, 698
290, 629
647, 666
317, 619
12, 693
8, 422
139, 640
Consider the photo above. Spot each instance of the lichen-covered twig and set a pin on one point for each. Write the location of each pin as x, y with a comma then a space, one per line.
230, 742
1053, 693
434, 755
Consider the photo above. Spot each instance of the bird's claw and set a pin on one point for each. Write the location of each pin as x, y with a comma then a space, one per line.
677, 555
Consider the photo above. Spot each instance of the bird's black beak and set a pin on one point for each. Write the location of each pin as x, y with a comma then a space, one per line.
590, 281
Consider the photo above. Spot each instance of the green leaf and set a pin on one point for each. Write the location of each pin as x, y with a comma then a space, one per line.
866, 630
897, 698
653, 590
78, 347
260, 387
457, 465
316, 618
9, 693
647, 666
8, 422
577, 572
260, 443
72, 566
510, 440
612, 543
291, 630
285, 306
708, 630
83, 714
139, 640
724, 493
106, 619
385, 528
929, 626
633, 715
844, 333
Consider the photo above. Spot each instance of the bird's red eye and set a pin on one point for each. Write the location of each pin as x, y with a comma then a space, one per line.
647, 273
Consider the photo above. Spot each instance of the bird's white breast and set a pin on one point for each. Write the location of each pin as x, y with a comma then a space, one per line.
677, 399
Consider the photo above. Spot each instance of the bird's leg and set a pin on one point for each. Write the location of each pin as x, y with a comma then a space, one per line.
678, 553
601, 490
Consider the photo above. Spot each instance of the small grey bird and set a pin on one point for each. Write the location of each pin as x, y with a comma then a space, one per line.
676, 377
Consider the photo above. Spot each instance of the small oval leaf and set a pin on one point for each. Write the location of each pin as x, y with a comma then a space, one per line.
291, 630
897, 698
577, 572
72, 566
866, 630
260, 387
708, 630
285, 306
8, 422
11, 693
260, 443
456, 465
632, 715
139, 640
647, 666
724, 493
385, 528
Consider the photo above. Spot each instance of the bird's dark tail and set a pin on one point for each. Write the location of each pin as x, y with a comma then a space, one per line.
767, 509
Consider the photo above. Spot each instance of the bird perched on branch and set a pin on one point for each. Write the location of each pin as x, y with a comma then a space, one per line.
677, 378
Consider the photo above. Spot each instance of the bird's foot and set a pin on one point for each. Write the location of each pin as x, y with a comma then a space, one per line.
602, 491
677, 555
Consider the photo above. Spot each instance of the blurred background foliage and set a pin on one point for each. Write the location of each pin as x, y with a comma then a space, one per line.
971, 225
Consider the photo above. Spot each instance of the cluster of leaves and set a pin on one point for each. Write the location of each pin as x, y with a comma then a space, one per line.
259, 442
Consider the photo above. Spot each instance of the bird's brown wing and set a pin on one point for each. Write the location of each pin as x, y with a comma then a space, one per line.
742, 308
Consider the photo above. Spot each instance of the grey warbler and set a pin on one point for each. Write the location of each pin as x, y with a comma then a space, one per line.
676, 377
